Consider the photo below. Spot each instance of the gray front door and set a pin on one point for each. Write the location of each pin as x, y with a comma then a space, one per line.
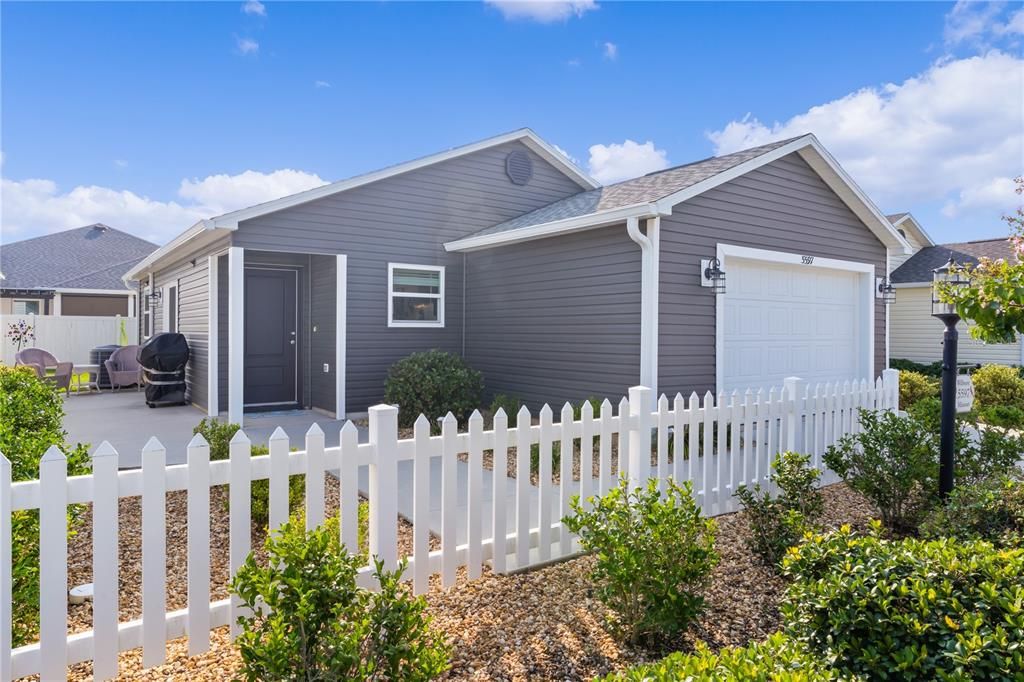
271, 337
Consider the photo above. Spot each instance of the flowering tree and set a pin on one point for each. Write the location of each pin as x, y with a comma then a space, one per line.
994, 301
20, 333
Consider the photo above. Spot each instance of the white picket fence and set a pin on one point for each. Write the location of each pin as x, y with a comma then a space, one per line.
71, 338
726, 442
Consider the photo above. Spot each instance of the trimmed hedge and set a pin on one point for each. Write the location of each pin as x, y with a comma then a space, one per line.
932, 369
909, 609
998, 386
915, 387
433, 383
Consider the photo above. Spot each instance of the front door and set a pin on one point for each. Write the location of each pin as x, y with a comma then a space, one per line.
271, 337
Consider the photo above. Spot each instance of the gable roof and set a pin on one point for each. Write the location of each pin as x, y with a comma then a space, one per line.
90, 257
918, 268
657, 193
230, 221
905, 221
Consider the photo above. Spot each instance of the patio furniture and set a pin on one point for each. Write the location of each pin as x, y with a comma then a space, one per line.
92, 378
123, 367
41, 361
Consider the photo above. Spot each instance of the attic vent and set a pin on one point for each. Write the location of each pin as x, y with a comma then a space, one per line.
518, 167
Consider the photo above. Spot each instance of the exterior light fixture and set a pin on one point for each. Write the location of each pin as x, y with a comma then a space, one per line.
887, 291
154, 297
712, 275
948, 276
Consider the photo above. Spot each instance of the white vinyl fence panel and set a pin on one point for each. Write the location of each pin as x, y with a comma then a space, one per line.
717, 444
71, 338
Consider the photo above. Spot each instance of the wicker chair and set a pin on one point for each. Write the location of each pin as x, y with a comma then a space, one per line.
41, 361
123, 367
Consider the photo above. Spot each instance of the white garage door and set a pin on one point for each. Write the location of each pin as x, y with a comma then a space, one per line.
786, 320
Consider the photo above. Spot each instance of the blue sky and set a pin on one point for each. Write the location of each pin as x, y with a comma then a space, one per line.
147, 116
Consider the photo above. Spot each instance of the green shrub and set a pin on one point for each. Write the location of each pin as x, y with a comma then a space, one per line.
654, 553
893, 462
932, 369
433, 383
595, 405
31, 420
511, 404
998, 385
991, 509
914, 387
927, 411
908, 609
777, 523
218, 435
777, 659
994, 453
1006, 416
310, 620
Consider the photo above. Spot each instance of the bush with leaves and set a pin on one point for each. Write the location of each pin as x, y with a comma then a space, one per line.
1006, 416
310, 621
991, 509
218, 435
932, 369
776, 659
908, 609
433, 383
655, 553
893, 462
992, 453
31, 420
511, 404
779, 522
915, 387
998, 386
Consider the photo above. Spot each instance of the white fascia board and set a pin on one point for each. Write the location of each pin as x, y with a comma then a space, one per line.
526, 136
911, 285
909, 219
144, 266
556, 227
96, 292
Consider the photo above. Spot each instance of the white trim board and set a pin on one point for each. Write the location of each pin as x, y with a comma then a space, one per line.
340, 334
866, 272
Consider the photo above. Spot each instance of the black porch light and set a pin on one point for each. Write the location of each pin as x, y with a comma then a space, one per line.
944, 278
714, 276
154, 297
888, 292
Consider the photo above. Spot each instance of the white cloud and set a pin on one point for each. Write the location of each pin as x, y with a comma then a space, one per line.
981, 23
120, 163
254, 7
543, 11
939, 136
566, 154
321, 84
614, 162
246, 45
991, 193
610, 51
574, 62
34, 207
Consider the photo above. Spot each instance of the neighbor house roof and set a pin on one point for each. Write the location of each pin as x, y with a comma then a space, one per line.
208, 230
90, 257
906, 221
918, 268
657, 193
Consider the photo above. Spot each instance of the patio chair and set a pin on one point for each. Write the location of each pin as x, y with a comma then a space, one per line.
123, 367
41, 361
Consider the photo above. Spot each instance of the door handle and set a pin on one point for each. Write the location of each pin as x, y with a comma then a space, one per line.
292, 342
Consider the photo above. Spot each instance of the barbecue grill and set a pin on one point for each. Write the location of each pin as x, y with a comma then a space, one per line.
163, 359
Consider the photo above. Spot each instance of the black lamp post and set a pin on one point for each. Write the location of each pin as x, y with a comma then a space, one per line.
947, 276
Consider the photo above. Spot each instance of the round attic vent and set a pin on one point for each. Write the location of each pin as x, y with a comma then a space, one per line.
518, 167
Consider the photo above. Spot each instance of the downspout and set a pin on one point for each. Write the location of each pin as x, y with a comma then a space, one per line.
648, 299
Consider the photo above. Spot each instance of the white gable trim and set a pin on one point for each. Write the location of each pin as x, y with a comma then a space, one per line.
911, 221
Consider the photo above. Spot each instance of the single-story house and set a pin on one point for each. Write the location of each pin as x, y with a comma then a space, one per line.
554, 287
915, 334
75, 272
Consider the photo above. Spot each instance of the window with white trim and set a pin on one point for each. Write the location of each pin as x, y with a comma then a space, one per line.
415, 295
25, 307
147, 314
170, 303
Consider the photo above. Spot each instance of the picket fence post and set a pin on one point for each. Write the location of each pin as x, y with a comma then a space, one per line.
891, 384
239, 516
6, 600
794, 389
53, 565
639, 429
105, 562
384, 484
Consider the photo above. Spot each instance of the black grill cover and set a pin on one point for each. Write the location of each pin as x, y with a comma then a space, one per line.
163, 359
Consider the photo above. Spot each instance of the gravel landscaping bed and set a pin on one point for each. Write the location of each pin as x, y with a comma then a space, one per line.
546, 624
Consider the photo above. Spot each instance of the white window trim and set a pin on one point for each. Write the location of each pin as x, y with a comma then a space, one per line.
165, 299
39, 303
439, 323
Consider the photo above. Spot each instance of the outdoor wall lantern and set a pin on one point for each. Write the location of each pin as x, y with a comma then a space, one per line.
947, 276
712, 275
887, 292
154, 297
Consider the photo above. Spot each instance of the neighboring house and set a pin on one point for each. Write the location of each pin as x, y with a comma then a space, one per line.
915, 334
555, 288
75, 272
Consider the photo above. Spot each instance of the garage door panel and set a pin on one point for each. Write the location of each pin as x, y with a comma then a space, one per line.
789, 320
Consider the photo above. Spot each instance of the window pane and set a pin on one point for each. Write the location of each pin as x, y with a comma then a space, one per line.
414, 309
26, 307
416, 281
172, 309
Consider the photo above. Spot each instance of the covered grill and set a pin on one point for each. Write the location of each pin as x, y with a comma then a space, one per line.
163, 359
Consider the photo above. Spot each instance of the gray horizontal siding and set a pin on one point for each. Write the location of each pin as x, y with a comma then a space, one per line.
782, 206
556, 319
404, 219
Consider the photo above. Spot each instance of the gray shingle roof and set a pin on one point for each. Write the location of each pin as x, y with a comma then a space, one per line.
646, 188
896, 217
91, 257
918, 268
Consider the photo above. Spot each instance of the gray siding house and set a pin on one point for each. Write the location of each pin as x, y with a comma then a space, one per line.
554, 287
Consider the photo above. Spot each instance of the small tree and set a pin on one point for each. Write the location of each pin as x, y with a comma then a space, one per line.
994, 301
20, 333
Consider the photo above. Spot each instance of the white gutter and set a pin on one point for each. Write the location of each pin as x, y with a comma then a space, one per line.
649, 247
